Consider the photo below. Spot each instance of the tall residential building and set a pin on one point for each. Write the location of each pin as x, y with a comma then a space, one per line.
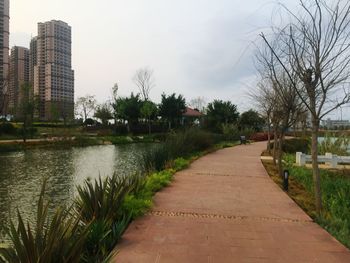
4, 52
19, 75
53, 77
32, 59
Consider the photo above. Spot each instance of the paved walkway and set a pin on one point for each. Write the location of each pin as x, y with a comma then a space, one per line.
225, 208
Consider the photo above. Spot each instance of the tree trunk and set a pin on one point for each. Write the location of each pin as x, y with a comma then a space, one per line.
149, 126
275, 141
315, 169
280, 154
268, 138
128, 127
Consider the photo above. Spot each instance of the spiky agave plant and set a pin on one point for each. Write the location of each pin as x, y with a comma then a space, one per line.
101, 199
99, 203
59, 239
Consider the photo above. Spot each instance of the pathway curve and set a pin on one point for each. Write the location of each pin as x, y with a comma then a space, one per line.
225, 208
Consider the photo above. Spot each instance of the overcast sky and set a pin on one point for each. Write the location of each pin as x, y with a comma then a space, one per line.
195, 47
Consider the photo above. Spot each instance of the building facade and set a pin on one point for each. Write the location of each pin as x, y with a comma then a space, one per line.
4, 54
19, 76
51, 70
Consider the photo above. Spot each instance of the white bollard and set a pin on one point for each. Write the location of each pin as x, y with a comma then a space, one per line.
300, 158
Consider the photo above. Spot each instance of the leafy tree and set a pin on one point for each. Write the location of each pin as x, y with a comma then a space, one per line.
85, 106
149, 110
171, 108
251, 119
129, 109
221, 112
104, 113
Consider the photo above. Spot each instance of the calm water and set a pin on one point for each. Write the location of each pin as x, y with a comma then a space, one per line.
22, 174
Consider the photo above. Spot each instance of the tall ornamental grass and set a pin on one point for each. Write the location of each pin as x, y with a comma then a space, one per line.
338, 145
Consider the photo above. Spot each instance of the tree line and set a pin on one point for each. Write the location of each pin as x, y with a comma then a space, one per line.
139, 108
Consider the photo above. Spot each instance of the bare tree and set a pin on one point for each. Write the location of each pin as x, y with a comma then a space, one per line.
287, 106
315, 46
144, 80
264, 100
199, 103
85, 106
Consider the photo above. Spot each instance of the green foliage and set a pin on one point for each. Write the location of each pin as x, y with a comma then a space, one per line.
187, 142
180, 164
180, 144
8, 128
149, 110
60, 239
103, 237
221, 112
335, 195
251, 120
104, 113
101, 199
137, 205
128, 108
296, 145
171, 108
334, 144
156, 158
231, 132
140, 201
10, 147
99, 203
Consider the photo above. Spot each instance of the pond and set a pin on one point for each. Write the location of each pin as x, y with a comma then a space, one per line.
22, 174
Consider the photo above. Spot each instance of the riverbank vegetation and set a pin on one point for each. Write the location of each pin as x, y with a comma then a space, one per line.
88, 230
335, 188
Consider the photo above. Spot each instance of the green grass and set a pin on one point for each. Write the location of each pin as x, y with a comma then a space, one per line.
335, 189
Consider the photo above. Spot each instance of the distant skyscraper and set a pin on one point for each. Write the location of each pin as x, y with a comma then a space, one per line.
32, 58
53, 77
19, 75
4, 51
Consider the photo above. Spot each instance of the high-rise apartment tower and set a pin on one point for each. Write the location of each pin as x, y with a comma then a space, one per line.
53, 77
4, 53
19, 76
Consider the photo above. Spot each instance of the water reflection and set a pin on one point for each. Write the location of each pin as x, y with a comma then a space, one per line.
22, 174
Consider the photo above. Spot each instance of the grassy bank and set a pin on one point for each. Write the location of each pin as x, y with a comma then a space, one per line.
78, 141
89, 230
335, 185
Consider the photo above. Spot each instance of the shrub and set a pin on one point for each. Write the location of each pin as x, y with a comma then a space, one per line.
101, 199
60, 239
295, 145
99, 204
7, 128
180, 144
260, 136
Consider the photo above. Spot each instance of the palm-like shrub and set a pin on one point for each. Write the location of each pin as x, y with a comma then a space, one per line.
101, 199
60, 239
99, 203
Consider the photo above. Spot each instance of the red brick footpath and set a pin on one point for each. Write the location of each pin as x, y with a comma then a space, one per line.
225, 208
